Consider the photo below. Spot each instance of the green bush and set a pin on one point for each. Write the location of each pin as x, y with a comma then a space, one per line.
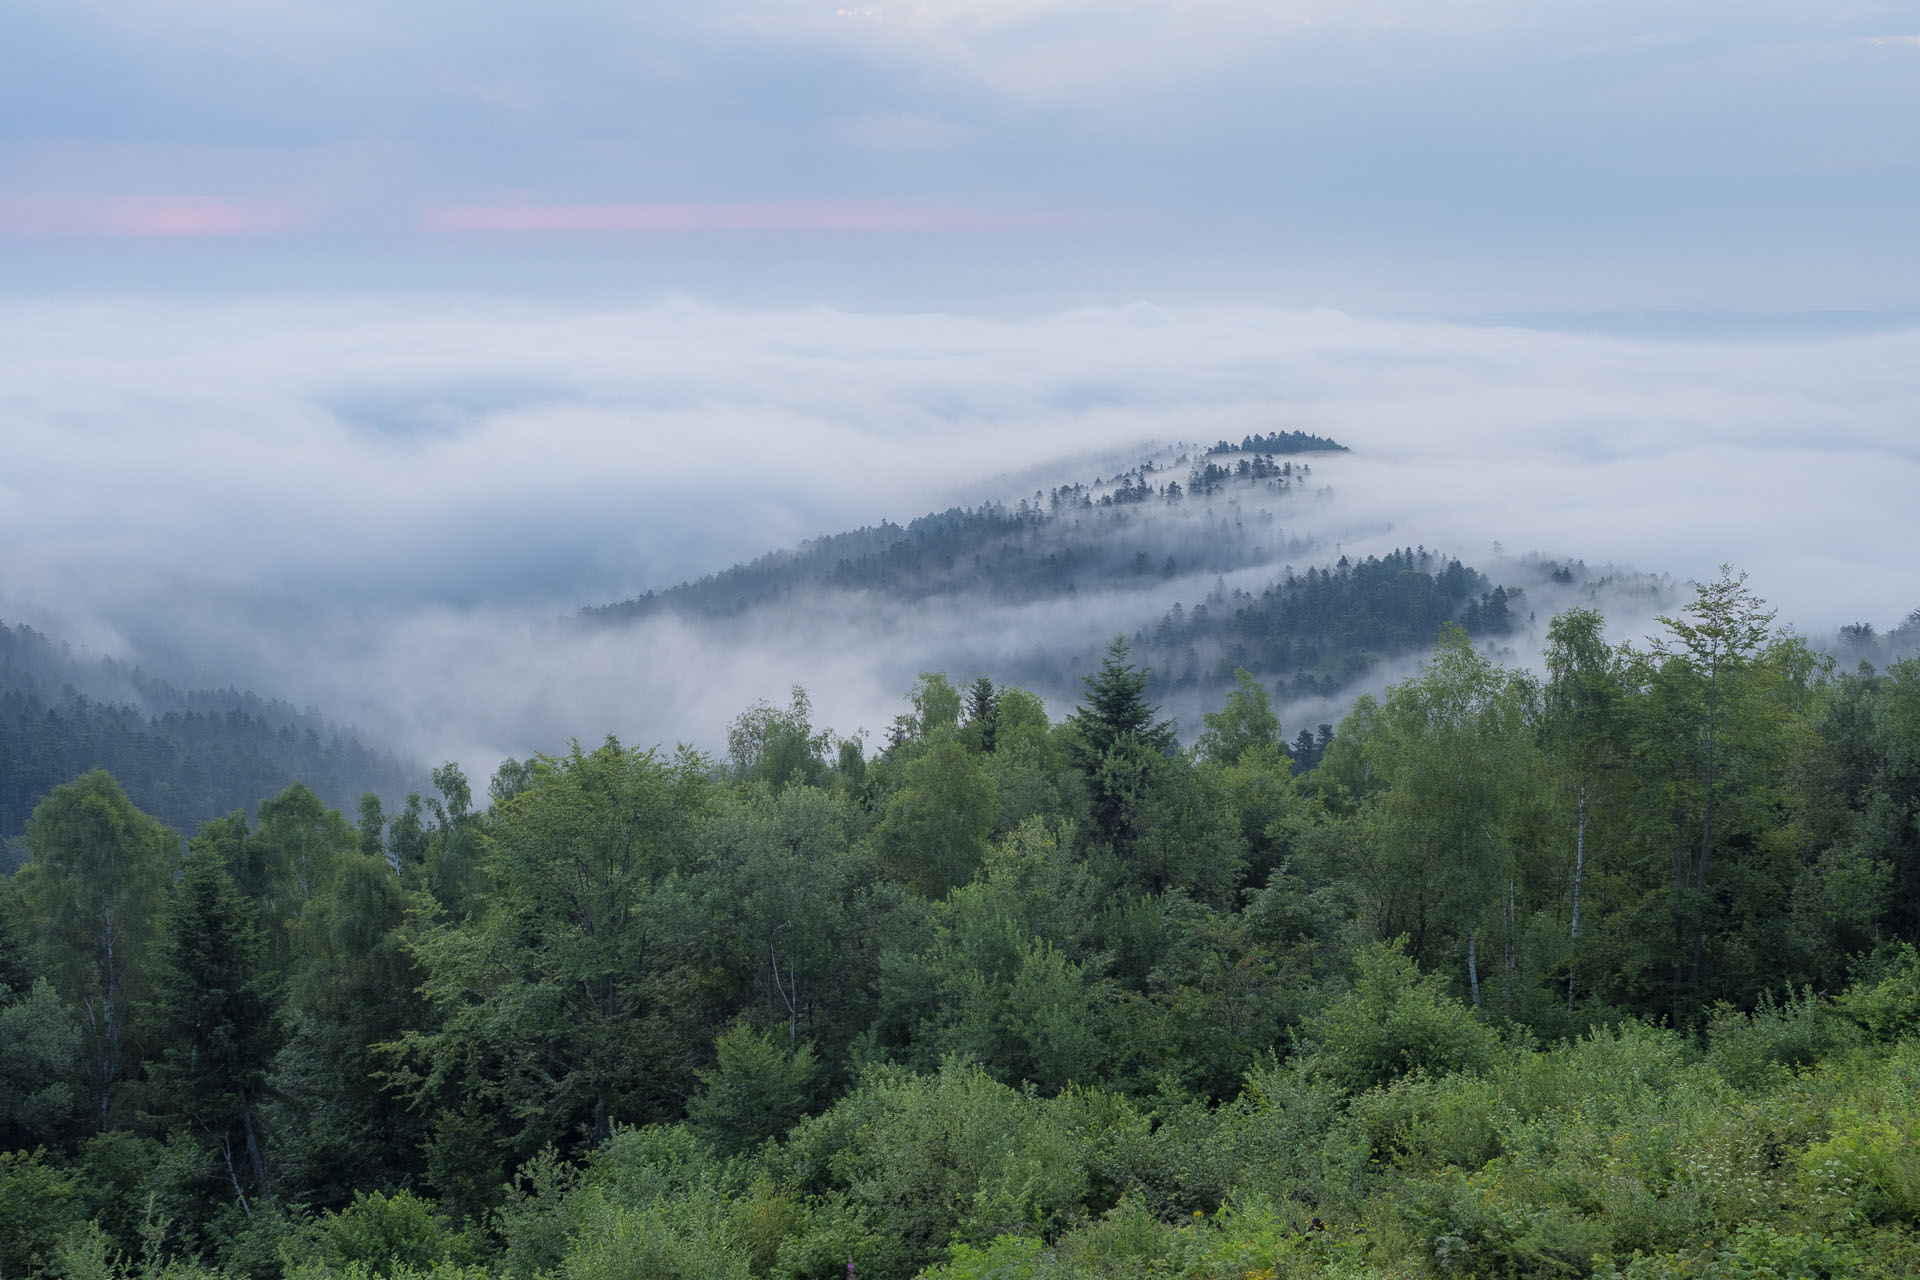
1886, 1001
1766, 1253
1776, 1038
36, 1210
385, 1233
754, 1091
1394, 1021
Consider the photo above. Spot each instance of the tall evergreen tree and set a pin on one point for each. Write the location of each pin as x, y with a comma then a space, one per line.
1112, 732
1116, 707
215, 1015
983, 710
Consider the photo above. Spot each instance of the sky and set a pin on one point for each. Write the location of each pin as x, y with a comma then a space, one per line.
344, 345
1475, 156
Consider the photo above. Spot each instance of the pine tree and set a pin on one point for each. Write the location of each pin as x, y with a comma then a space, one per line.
983, 709
1116, 707
1115, 737
216, 1017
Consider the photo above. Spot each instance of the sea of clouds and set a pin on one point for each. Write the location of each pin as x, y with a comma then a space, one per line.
380, 507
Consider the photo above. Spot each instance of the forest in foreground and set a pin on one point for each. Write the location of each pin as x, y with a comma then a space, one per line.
1609, 971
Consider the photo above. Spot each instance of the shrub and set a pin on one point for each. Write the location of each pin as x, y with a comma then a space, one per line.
1394, 1021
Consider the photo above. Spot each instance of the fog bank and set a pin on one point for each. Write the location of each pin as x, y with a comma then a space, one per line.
380, 506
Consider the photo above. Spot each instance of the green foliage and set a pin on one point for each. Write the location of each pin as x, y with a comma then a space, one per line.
1115, 708
1776, 1036
1887, 1002
935, 828
986, 1004
1394, 1021
755, 1090
779, 746
550, 1013
1765, 1253
95, 892
1246, 723
215, 1014
36, 1211
39, 1051
385, 1235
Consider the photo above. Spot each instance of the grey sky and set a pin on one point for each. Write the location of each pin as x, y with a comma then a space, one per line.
1372, 154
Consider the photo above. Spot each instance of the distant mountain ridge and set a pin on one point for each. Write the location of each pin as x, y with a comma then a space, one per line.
1193, 552
998, 550
182, 755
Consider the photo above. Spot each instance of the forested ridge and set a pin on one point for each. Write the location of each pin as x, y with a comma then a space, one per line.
183, 755
1182, 522
1071, 537
1608, 971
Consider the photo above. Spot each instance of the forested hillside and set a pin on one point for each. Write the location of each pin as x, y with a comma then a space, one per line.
1606, 972
183, 756
1136, 525
1225, 536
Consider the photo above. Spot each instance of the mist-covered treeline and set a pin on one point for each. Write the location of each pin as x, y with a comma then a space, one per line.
182, 755
1609, 971
1317, 632
1122, 544
1072, 537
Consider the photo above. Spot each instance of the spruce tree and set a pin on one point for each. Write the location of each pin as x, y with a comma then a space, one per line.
983, 709
1116, 707
1115, 737
216, 1018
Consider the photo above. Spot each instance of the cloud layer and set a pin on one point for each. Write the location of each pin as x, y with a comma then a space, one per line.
379, 506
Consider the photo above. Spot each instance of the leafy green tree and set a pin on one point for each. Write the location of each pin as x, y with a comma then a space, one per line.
778, 746
1583, 728
1880, 791
777, 881
39, 1049
935, 827
936, 704
287, 858
564, 1004
1715, 644
215, 1016
1245, 723
95, 892
1167, 823
1451, 750
454, 867
755, 1090
353, 985
36, 1211
19, 965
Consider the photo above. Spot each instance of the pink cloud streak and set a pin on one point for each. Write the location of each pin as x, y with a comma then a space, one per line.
654, 219
140, 217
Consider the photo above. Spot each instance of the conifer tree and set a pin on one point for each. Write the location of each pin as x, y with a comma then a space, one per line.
215, 1017
1116, 707
983, 710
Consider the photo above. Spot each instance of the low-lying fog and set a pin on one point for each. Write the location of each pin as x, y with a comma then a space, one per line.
380, 508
